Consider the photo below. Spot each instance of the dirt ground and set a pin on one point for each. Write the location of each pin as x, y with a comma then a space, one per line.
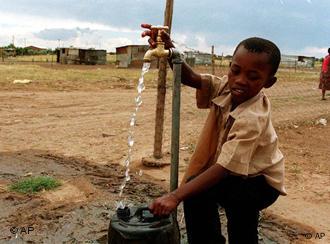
79, 135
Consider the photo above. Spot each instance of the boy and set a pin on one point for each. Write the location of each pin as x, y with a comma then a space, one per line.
237, 163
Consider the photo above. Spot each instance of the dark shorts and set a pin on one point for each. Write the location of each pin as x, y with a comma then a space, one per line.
242, 199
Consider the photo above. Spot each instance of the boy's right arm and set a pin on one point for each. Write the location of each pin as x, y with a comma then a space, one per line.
188, 76
164, 205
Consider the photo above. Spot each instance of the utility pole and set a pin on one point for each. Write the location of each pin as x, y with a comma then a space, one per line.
161, 88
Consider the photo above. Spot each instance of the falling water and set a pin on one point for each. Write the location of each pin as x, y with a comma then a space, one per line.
130, 138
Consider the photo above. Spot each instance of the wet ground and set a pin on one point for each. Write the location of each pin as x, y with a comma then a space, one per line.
81, 209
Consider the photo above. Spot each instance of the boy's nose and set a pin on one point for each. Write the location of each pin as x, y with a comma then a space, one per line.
241, 80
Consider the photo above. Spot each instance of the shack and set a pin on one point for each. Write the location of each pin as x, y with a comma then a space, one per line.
7, 52
131, 56
294, 61
197, 58
81, 56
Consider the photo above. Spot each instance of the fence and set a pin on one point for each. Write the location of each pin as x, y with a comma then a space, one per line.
47, 58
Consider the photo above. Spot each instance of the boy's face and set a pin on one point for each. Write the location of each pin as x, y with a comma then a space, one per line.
249, 73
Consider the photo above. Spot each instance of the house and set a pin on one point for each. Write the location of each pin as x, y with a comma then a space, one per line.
197, 58
132, 56
7, 52
294, 61
36, 49
81, 56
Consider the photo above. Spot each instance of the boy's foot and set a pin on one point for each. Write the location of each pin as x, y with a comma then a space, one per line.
323, 98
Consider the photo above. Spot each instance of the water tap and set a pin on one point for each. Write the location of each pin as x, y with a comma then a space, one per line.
159, 51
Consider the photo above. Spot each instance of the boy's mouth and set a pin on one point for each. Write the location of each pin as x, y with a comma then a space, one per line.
238, 91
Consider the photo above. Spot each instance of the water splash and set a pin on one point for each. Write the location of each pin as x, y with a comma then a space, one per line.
130, 138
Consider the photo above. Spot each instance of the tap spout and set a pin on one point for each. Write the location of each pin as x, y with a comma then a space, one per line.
156, 52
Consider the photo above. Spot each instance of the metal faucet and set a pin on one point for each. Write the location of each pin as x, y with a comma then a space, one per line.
159, 51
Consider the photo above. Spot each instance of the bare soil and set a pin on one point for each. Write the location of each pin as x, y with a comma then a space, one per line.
79, 136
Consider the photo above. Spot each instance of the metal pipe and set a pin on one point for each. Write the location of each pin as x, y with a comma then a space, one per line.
175, 137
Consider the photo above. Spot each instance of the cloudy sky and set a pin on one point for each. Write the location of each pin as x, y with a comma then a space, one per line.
296, 26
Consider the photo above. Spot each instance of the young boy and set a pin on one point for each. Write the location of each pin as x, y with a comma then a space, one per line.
237, 163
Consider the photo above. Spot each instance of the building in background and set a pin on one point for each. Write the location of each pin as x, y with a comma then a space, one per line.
35, 49
197, 58
293, 61
131, 56
81, 56
7, 52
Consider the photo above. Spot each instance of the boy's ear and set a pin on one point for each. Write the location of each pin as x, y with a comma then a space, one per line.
271, 81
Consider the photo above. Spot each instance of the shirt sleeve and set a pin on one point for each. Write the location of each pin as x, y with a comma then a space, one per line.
209, 90
238, 150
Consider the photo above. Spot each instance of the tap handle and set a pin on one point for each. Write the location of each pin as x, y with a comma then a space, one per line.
160, 27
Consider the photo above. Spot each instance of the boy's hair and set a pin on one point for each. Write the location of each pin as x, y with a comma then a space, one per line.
260, 45
329, 50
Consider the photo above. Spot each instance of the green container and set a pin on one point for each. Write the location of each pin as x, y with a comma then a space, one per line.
140, 226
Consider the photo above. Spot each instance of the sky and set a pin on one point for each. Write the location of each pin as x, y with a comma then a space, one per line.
298, 27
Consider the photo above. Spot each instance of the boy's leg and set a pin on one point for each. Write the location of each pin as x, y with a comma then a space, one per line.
202, 219
242, 200
242, 225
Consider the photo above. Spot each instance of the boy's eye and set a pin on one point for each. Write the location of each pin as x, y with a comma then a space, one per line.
234, 70
253, 77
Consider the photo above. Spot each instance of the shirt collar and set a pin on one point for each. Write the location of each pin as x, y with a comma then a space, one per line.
224, 102
243, 106
224, 99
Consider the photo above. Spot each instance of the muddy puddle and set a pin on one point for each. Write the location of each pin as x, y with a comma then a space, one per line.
79, 211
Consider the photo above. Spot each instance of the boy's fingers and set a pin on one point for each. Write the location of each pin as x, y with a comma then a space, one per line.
151, 207
148, 26
150, 33
146, 33
152, 42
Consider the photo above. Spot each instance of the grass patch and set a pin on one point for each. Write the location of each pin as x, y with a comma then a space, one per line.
35, 184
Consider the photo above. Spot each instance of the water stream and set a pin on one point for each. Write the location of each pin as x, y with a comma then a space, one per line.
130, 138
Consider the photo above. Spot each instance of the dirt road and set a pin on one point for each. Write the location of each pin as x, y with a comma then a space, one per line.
80, 137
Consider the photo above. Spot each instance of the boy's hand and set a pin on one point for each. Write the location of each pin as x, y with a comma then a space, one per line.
164, 205
152, 33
